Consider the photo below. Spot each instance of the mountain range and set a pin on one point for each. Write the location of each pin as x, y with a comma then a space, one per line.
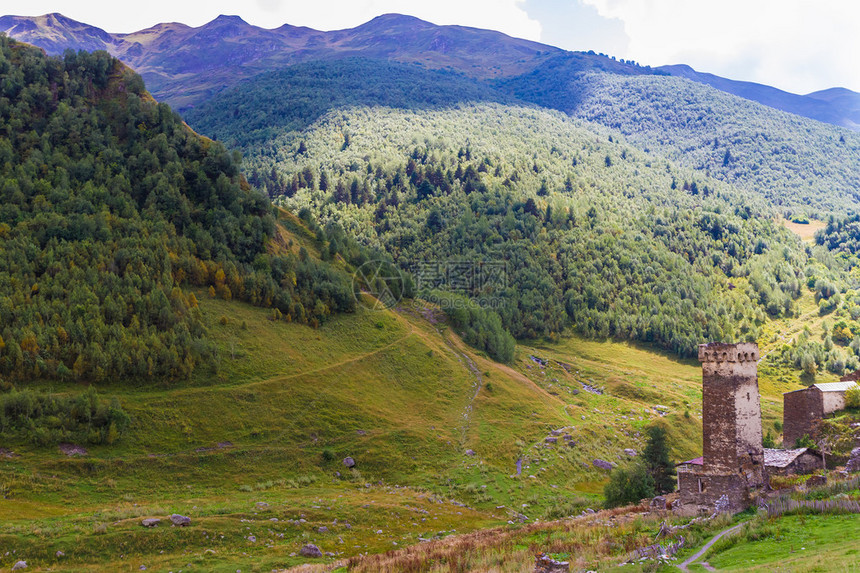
184, 66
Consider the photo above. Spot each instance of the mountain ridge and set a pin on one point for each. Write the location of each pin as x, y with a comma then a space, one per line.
207, 59
820, 107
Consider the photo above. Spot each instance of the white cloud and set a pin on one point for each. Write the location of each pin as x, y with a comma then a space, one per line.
797, 45
507, 16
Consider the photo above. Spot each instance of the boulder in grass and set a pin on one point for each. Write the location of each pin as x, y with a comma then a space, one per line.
349, 462
19, 565
150, 521
310, 550
180, 520
602, 464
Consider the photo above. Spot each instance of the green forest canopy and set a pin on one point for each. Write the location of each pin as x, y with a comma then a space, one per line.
110, 210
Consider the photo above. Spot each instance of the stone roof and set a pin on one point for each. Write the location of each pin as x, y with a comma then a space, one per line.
695, 461
835, 386
782, 458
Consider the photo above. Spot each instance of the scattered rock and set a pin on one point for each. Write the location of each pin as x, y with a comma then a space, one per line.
180, 520
150, 521
854, 461
602, 464
222, 445
361, 432
252, 539
19, 565
546, 564
551, 440
142, 568
72, 450
310, 550
816, 481
322, 529
262, 505
6, 453
470, 452
591, 389
630, 452
60, 554
571, 444
349, 462
556, 432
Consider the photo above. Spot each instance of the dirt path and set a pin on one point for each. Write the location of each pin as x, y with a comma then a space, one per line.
700, 552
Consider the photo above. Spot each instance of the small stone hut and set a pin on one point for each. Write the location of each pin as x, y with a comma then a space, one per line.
798, 461
803, 409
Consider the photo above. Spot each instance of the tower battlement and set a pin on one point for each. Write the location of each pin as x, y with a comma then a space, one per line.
719, 352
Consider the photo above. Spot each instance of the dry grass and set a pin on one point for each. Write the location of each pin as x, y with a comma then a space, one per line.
603, 538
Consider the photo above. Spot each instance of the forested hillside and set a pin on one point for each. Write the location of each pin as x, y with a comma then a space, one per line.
797, 164
111, 209
594, 234
252, 116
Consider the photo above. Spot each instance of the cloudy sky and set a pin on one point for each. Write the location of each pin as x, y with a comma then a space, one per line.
796, 45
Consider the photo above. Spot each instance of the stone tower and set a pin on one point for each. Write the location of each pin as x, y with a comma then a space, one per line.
733, 457
731, 412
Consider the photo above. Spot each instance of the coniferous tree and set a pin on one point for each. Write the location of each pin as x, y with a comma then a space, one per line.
656, 458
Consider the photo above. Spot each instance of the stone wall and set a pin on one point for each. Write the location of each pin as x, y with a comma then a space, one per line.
832, 401
801, 411
707, 493
805, 463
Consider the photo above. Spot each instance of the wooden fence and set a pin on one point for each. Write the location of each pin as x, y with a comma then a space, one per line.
781, 506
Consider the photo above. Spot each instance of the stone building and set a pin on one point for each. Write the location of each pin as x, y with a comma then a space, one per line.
799, 461
733, 460
802, 409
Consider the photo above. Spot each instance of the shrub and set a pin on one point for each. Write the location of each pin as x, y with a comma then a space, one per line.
45, 419
628, 485
852, 396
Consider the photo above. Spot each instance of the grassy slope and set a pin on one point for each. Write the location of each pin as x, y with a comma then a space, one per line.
284, 394
795, 543
286, 405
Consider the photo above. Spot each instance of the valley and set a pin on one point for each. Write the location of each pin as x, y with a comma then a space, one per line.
409, 295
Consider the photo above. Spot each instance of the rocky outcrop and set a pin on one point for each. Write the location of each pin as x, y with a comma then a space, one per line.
546, 564
853, 464
310, 550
